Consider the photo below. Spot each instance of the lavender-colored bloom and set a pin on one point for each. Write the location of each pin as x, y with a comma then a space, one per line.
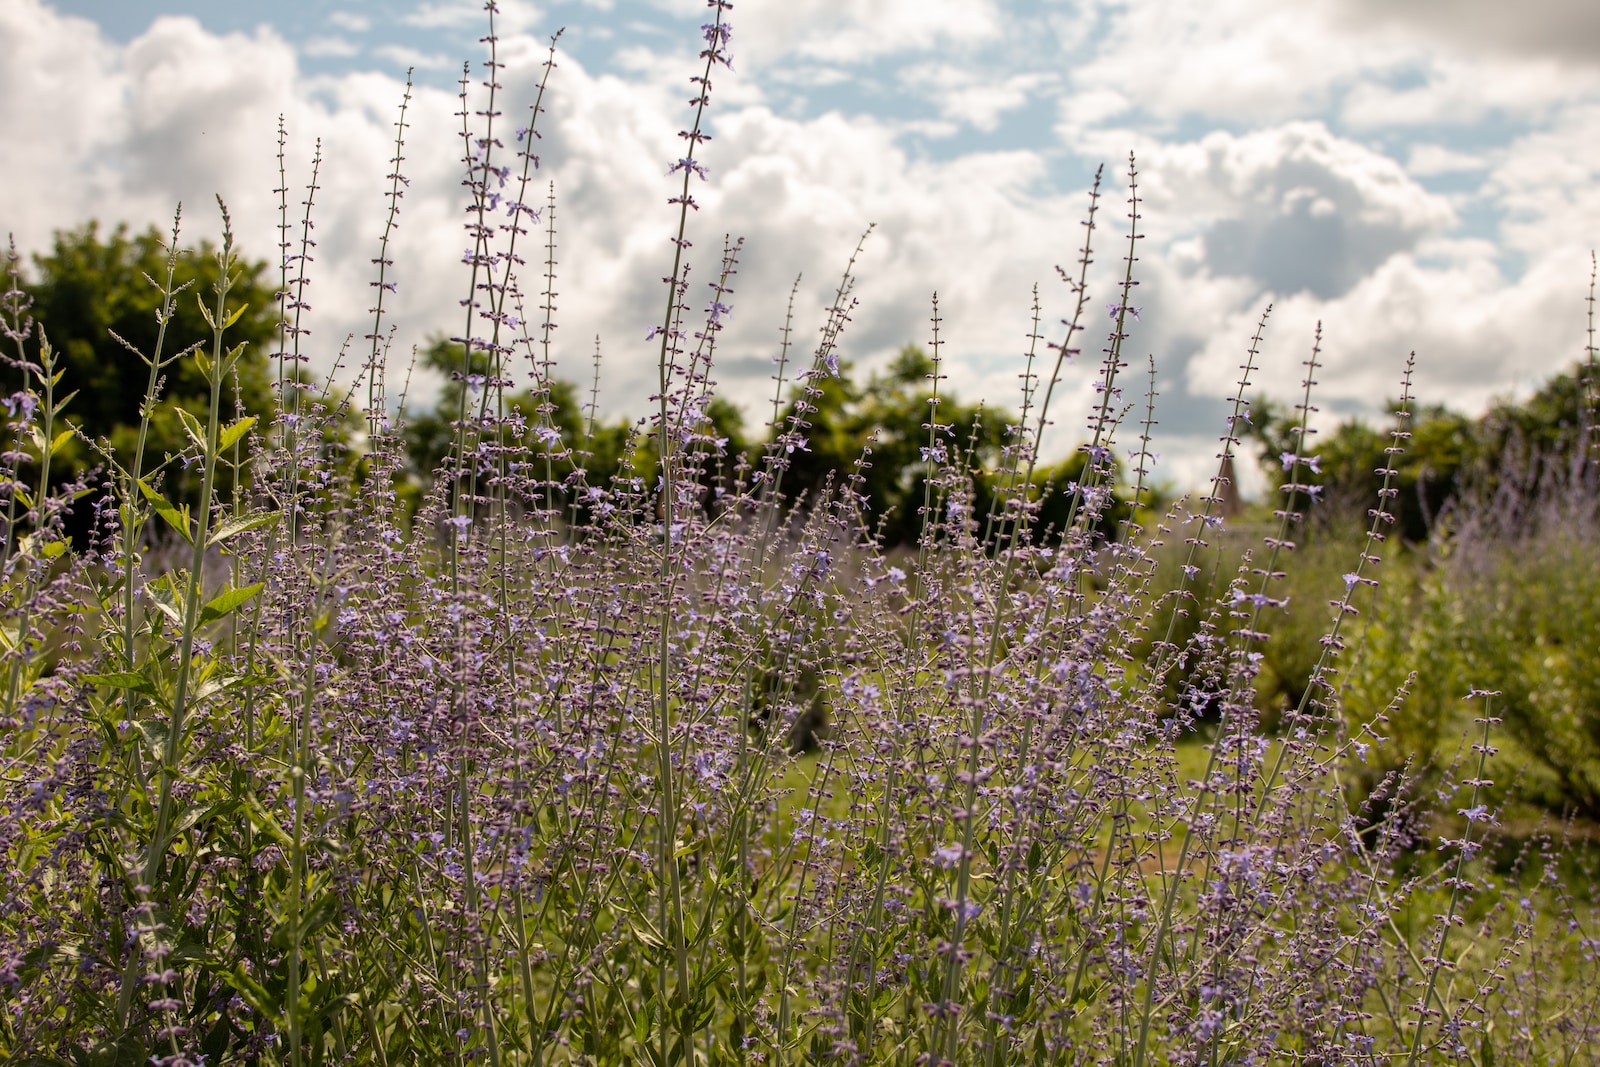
23, 403
689, 165
530, 731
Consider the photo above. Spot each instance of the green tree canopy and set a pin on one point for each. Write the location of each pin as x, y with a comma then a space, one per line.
889, 414
892, 414
1446, 451
430, 435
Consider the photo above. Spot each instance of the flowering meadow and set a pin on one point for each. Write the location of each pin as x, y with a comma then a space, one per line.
681, 766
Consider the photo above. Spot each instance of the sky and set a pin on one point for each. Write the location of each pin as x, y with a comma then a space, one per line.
1416, 177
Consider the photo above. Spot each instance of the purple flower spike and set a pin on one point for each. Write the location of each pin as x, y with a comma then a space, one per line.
688, 165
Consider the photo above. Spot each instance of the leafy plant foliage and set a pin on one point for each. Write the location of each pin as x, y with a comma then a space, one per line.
495, 734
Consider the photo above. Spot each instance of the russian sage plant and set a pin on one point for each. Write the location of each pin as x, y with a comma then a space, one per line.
677, 766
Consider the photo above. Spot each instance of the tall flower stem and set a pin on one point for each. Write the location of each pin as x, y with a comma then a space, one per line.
669, 888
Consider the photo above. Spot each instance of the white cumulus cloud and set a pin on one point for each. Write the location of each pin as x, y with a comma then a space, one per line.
1286, 155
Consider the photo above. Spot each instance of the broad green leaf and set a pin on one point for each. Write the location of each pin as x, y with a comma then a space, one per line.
224, 602
178, 520
169, 610
192, 427
254, 994
239, 311
263, 822
124, 680
215, 684
646, 932
239, 526
163, 594
154, 732
61, 439
232, 434
322, 911
35, 545
195, 814
232, 358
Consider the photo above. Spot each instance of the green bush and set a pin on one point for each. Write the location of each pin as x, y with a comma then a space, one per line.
1402, 688
1530, 619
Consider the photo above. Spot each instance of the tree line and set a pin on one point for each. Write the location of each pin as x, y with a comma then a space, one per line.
93, 297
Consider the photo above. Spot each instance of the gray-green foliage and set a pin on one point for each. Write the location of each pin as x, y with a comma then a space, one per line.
1529, 611
1402, 692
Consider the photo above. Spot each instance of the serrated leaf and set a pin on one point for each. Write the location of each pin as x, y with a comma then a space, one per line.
209, 687
261, 821
645, 931
231, 434
165, 598
124, 680
321, 912
253, 993
154, 732
233, 356
192, 427
178, 520
227, 600
239, 526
